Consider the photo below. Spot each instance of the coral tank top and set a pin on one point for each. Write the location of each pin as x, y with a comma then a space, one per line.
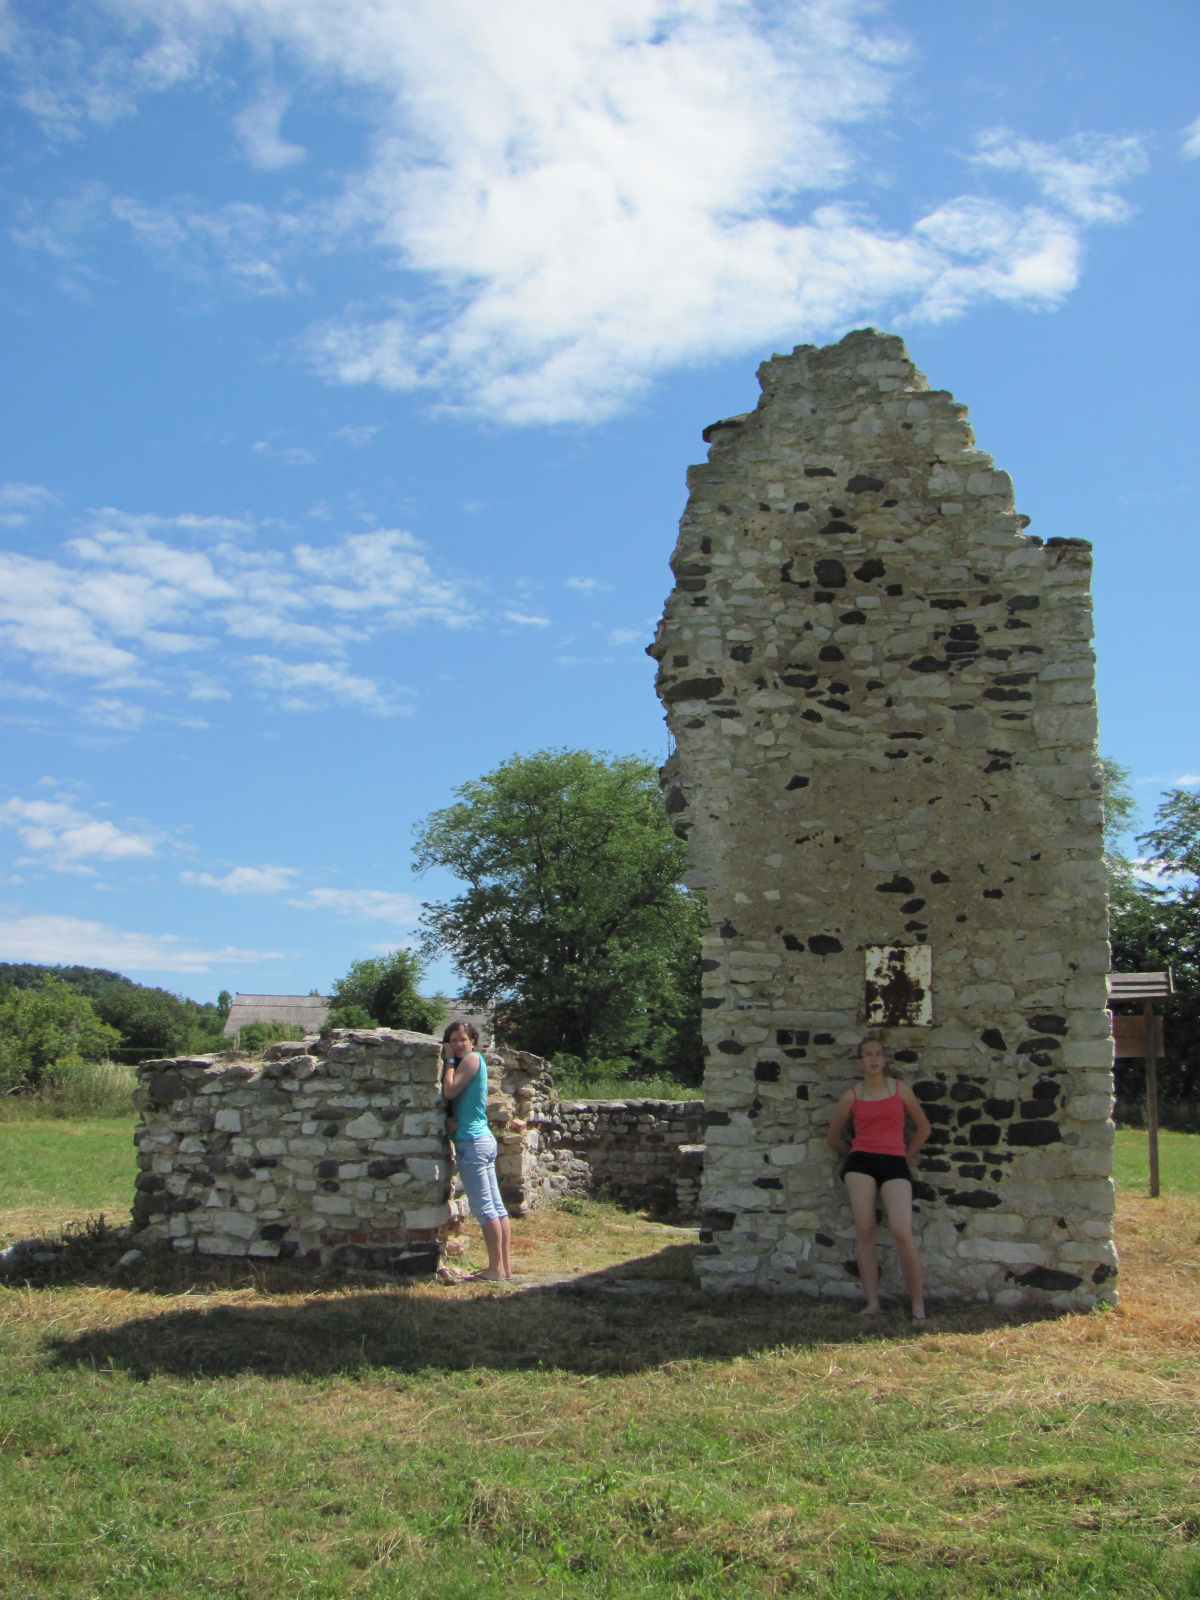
879, 1124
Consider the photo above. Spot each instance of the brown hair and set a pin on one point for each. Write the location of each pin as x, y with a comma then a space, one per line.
870, 1039
469, 1028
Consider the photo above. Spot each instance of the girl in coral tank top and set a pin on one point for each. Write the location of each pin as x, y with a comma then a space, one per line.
878, 1114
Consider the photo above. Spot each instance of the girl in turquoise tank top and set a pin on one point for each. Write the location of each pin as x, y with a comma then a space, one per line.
878, 1113
464, 1084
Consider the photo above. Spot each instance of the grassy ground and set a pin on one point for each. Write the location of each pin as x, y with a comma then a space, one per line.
56, 1172
1178, 1162
188, 1429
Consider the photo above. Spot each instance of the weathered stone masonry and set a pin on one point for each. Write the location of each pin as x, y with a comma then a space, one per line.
334, 1150
331, 1145
641, 1153
881, 692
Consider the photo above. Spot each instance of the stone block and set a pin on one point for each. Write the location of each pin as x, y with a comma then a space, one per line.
236, 1224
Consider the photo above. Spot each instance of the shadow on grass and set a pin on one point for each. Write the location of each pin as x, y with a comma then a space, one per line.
629, 1318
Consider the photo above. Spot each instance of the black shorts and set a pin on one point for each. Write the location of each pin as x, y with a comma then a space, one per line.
882, 1168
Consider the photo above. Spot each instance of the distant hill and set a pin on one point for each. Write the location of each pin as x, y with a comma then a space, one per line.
147, 1019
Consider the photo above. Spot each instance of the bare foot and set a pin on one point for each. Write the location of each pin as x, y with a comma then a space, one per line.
918, 1318
871, 1311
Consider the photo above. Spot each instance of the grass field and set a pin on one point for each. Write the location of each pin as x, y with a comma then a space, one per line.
188, 1429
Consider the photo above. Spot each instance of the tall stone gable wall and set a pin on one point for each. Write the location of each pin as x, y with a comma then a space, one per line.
881, 692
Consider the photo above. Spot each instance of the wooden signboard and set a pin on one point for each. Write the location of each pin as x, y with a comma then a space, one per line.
1129, 1037
1142, 1036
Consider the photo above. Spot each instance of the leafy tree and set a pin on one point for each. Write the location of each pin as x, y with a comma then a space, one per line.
381, 992
1120, 809
148, 1019
1174, 841
573, 922
41, 1026
1152, 928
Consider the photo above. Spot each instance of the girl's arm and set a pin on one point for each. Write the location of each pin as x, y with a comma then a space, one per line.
456, 1078
920, 1122
835, 1138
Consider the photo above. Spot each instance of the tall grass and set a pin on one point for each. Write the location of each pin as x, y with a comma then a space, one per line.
73, 1089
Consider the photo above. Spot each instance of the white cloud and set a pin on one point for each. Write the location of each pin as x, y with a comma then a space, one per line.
59, 835
22, 691
588, 586
67, 941
1191, 140
384, 570
244, 242
127, 599
575, 198
1080, 175
312, 685
105, 712
988, 250
258, 129
1189, 780
41, 617
375, 905
356, 437
291, 455
244, 880
524, 620
629, 636
20, 501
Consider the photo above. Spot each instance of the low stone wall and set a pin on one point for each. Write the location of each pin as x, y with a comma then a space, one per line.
326, 1149
335, 1150
643, 1153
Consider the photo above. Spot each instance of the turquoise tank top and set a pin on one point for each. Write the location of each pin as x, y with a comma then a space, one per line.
470, 1107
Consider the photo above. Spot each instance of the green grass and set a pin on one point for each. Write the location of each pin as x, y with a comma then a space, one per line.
584, 1086
54, 1171
188, 1429
1178, 1162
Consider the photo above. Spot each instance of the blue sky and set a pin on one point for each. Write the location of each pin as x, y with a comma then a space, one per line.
354, 355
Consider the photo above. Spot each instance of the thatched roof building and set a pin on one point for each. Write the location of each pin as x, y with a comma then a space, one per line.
307, 1011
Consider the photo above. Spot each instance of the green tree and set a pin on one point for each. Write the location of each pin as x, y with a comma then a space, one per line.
148, 1019
41, 1026
574, 921
1153, 927
1173, 843
382, 992
1120, 810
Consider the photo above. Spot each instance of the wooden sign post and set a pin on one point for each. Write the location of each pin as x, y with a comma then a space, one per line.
1142, 1036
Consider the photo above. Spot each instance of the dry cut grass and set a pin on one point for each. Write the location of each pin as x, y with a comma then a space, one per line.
187, 1427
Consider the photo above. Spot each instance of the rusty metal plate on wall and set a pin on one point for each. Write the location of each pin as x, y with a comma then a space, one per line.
899, 985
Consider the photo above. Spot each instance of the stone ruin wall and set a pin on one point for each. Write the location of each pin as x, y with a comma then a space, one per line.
881, 692
330, 1149
333, 1150
642, 1153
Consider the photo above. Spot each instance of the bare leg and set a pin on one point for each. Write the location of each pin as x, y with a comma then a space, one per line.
897, 1202
861, 1190
505, 1245
493, 1238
